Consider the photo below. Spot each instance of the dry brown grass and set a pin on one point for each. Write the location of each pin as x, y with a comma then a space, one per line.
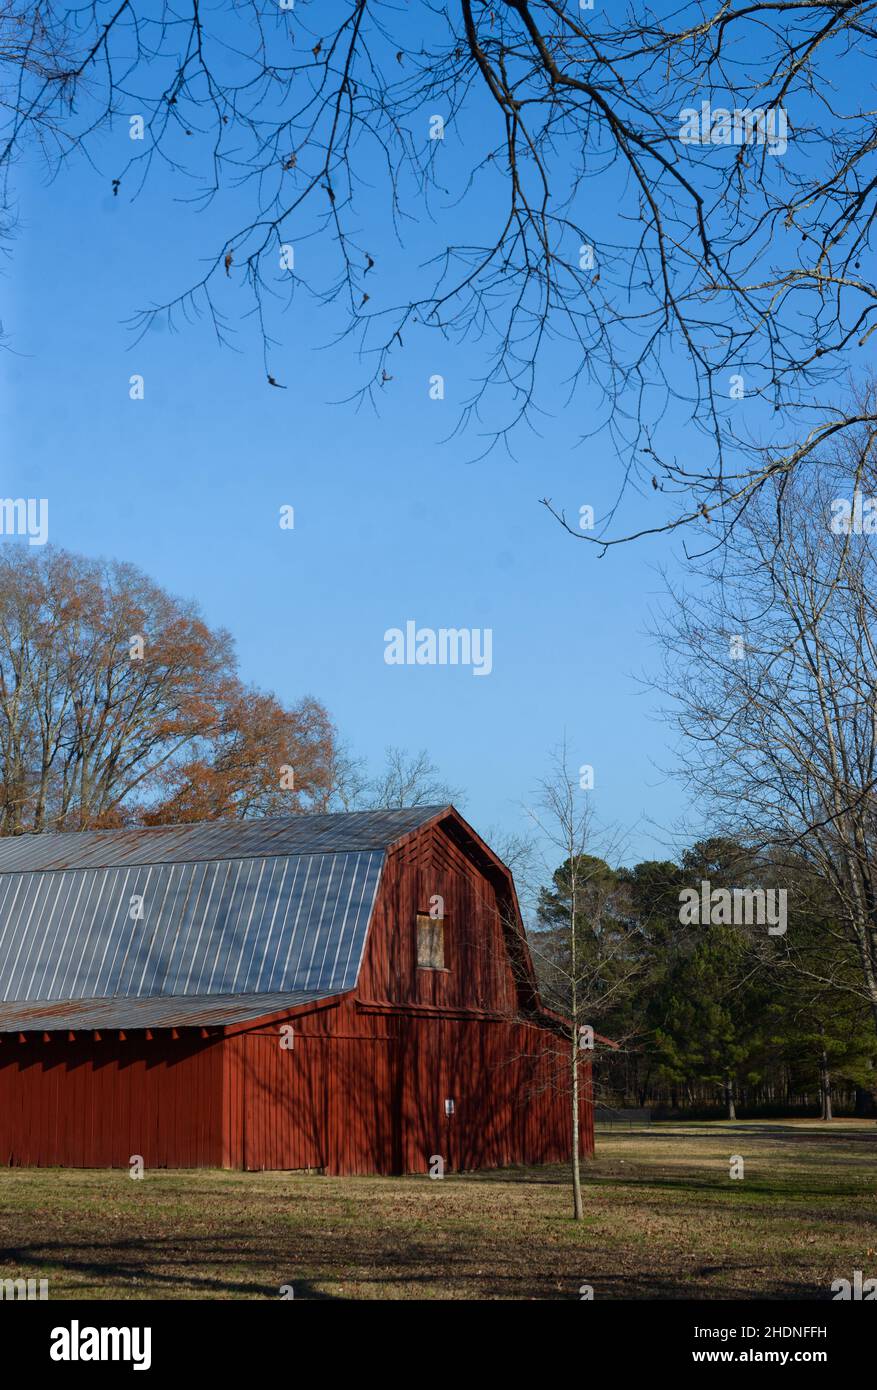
663, 1219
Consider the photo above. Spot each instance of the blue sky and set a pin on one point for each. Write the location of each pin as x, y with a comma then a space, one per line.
394, 519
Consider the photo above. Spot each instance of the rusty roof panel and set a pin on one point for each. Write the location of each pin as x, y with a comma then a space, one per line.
211, 840
84, 1015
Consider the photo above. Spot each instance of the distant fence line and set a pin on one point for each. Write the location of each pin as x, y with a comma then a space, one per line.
610, 1115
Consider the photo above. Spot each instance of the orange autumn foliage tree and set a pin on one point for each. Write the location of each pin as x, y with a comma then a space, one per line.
263, 760
119, 705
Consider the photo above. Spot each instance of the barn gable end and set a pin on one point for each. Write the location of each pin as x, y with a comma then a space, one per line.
441, 870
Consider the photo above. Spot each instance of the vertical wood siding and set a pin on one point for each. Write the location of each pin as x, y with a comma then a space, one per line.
369, 1098
88, 1104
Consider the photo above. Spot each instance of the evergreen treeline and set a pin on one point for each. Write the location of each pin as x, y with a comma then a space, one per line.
721, 1017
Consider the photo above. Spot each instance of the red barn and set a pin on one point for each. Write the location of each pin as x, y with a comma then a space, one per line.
350, 993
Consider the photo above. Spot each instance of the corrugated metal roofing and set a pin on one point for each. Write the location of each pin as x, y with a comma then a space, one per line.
231, 926
207, 840
85, 1014
171, 924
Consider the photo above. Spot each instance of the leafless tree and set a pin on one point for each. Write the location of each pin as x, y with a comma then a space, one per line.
657, 254
772, 666
593, 966
519, 854
405, 779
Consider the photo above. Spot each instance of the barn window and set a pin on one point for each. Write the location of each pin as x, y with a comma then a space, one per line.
430, 942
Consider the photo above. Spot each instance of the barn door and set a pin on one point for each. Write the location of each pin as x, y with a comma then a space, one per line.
284, 1102
364, 1106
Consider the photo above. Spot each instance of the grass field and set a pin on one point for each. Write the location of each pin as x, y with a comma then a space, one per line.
663, 1219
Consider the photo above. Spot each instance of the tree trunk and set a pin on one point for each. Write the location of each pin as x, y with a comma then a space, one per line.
825, 1086
578, 1211
729, 1097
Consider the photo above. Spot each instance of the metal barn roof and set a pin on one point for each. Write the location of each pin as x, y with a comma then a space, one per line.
45, 1015
188, 924
227, 926
205, 840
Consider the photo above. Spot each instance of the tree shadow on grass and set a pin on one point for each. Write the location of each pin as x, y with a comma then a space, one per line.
394, 1269
142, 1275
704, 1131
